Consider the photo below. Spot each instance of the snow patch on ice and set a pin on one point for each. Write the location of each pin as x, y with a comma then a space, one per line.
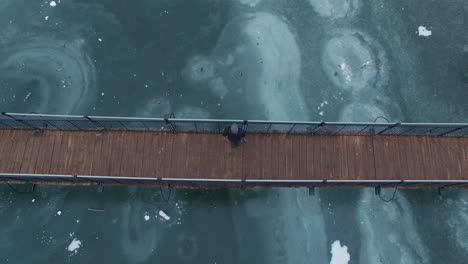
424, 32
339, 253
74, 245
164, 215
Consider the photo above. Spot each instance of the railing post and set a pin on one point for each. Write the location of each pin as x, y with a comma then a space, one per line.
317, 128
21, 121
143, 123
50, 124
173, 130
362, 130
123, 125
294, 125
94, 122
451, 131
3, 124
337, 132
387, 128
69, 122
269, 127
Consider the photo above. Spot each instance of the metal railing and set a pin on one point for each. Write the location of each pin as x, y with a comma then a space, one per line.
235, 183
90, 123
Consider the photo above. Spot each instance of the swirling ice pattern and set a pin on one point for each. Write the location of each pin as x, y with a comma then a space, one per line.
392, 228
256, 53
46, 76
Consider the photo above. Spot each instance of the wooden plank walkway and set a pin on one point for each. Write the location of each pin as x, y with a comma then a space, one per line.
208, 156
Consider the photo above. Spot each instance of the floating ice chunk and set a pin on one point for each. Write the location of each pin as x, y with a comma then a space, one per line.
46, 18
339, 253
147, 217
164, 215
53, 3
321, 113
59, 212
74, 245
423, 31
77, 221
99, 39
33, 200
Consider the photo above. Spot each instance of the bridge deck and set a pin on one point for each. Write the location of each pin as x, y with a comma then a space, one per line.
208, 156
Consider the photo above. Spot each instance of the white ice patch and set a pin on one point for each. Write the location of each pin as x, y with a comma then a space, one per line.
280, 68
46, 18
53, 3
339, 253
348, 61
147, 217
360, 112
346, 71
192, 112
59, 212
99, 39
251, 3
392, 228
74, 245
199, 68
457, 220
33, 200
424, 32
164, 215
218, 87
335, 8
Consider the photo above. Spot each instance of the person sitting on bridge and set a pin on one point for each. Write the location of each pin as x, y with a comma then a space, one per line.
234, 134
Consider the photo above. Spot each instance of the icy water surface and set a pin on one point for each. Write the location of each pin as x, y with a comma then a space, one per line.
331, 60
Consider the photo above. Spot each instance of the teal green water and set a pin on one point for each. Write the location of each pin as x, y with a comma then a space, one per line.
331, 60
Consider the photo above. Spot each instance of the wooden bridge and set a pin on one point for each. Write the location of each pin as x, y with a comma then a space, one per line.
192, 153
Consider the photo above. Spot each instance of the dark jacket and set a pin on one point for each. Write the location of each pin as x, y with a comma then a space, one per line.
233, 137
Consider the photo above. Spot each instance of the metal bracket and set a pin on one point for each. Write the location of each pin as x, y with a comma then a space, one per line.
378, 190
439, 191
242, 188
31, 187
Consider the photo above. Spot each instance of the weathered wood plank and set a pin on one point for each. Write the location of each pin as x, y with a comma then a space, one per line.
209, 156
